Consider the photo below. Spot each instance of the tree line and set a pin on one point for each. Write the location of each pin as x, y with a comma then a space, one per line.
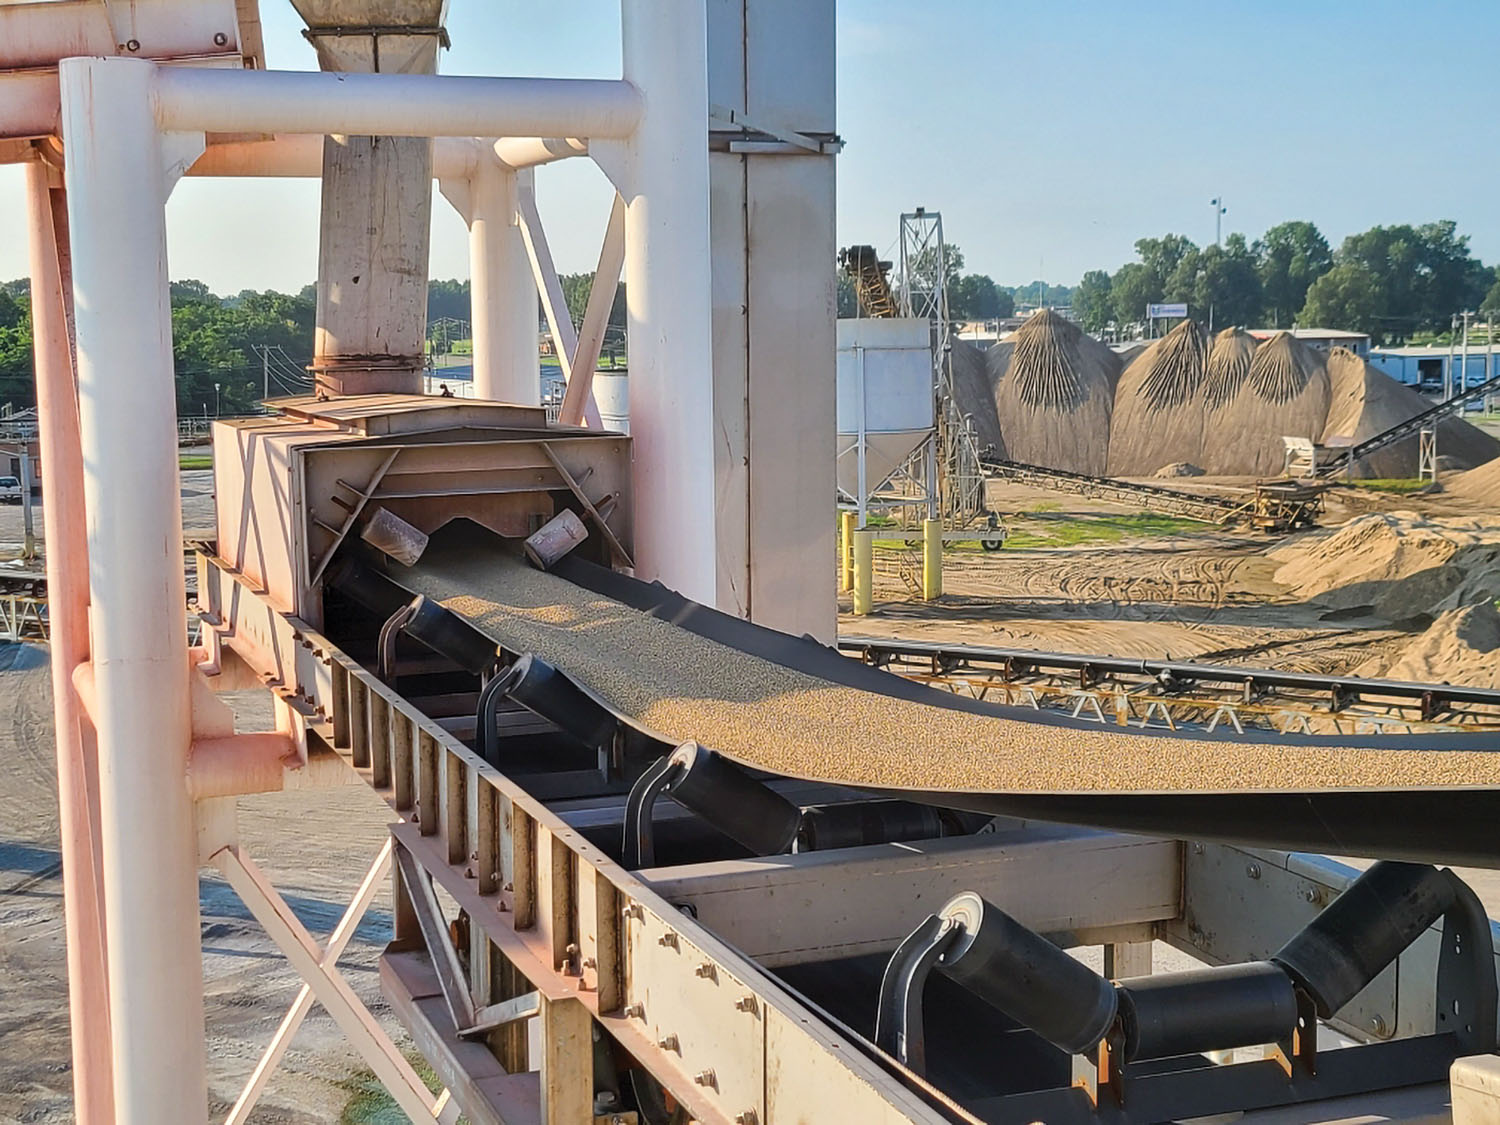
215, 340
1391, 282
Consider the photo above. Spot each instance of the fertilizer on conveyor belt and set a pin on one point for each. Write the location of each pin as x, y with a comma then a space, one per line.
682, 686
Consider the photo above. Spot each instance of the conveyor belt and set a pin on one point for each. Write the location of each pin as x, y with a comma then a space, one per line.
1151, 497
1175, 675
680, 672
1343, 458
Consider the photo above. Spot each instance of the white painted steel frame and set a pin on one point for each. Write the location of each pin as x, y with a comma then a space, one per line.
118, 181
129, 130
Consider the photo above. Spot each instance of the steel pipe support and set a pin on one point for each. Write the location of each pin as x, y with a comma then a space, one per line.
394, 105
117, 181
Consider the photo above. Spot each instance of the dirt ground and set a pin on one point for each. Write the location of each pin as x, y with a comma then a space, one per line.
1181, 590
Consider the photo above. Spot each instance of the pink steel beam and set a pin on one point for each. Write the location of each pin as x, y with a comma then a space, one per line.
68, 611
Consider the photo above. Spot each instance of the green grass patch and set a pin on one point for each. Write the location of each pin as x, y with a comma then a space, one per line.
1391, 484
195, 461
1074, 531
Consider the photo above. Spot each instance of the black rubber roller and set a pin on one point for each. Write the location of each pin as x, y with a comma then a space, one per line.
1364, 930
1206, 1010
743, 808
448, 634
544, 691
1026, 976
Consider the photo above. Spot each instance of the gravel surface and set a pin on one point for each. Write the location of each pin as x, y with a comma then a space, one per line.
686, 687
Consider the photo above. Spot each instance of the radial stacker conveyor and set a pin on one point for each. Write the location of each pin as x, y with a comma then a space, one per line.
855, 901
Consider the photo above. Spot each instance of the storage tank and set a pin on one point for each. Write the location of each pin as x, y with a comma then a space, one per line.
612, 396
885, 393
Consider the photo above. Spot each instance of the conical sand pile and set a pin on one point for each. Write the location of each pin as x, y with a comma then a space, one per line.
1228, 366
971, 387
1366, 401
1158, 415
1284, 393
1481, 484
1055, 396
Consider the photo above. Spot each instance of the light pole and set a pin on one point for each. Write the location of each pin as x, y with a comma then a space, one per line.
1220, 210
216, 400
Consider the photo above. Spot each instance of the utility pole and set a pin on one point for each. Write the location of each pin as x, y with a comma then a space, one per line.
265, 370
1452, 357
1217, 203
1489, 361
28, 552
1463, 367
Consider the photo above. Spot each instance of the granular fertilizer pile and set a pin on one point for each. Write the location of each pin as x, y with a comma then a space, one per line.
683, 686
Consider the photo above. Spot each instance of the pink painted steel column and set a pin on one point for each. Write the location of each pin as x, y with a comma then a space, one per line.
68, 613
117, 187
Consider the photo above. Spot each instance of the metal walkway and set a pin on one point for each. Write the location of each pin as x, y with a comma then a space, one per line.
1340, 460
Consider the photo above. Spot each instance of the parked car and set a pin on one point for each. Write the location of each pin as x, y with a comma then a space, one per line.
10, 490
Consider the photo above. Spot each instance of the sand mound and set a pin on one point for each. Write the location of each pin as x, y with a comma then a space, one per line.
971, 387
1365, 401
1284, 392
1054, 396
1178, 469
1481, 484
1228, 366
1398, 564
1158, 416
1461, 647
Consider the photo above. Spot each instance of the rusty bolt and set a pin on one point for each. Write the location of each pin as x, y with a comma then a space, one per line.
749, 1117
1311, 894
132, 45
668, 1043
1253, 870
1377, 1025
1197, 849
220, 39
468, 873
634, 1011
633, 910
706, 1078
706, 970
669, 939
590, 963
747, 1004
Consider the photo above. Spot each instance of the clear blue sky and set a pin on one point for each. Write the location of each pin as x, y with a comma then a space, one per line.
1050, 136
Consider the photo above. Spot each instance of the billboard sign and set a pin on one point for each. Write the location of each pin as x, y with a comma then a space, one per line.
1154, 311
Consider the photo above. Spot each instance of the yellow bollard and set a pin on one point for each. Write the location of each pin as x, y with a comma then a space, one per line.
932, 559
864, 546
846, 551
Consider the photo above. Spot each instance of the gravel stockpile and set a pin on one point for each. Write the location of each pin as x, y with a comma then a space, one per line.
976, 399
1158, 417
1399, 564
1054, 397
1283, 393
1366, 401
683, 686
1461, 647
1482, 484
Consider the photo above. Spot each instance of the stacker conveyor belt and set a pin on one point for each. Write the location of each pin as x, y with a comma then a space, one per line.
792, 707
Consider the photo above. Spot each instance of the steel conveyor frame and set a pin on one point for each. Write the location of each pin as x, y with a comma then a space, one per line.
676, 965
